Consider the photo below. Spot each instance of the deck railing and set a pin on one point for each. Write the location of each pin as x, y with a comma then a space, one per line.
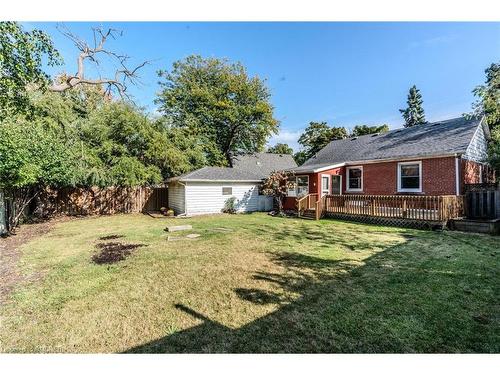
428, 208
307, 202
425, 208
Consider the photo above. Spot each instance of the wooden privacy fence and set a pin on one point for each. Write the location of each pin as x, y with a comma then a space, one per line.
426, 208
103, 201
482, 201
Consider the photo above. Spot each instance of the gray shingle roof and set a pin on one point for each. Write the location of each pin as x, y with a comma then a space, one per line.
250, 167
262, 164
432, 139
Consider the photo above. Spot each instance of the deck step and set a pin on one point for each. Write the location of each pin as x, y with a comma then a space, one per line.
308, 214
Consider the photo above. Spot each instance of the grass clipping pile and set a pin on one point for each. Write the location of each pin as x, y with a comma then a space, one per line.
112, 252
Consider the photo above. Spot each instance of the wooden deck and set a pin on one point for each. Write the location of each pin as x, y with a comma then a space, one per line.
422, 208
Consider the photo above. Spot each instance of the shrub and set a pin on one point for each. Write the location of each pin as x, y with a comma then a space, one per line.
230, 206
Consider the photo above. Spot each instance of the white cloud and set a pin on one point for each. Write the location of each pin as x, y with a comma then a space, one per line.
288, 137
442, 39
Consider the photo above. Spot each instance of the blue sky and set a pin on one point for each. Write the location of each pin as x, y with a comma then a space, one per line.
342, 73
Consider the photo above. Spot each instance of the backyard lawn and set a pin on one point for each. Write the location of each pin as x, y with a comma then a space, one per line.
252, 283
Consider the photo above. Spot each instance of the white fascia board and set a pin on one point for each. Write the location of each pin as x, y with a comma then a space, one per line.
207, 180
338, 165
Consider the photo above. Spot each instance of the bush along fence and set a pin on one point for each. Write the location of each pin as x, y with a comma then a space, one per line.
81, 201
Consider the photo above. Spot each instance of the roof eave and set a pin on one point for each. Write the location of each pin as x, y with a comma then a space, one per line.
411, 157
210, 180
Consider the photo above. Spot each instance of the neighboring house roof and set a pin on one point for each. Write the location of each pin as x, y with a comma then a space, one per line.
263, 163
441, 138
247, 168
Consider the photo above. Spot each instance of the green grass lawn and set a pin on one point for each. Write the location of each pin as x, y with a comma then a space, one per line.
263, 285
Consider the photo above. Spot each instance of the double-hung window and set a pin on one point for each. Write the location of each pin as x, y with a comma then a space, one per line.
299, 186
354, 178
410, 177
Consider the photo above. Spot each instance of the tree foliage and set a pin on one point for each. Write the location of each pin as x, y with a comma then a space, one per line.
488, 105
22, 54
300, 157
277, 185
280, 148
360, 130
317, 135
217, 102
414, 113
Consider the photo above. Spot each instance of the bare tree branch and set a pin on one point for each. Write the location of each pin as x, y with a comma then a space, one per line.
123, 75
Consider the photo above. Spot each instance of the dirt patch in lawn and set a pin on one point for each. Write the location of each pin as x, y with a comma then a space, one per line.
10, 254
110, 237
112, 252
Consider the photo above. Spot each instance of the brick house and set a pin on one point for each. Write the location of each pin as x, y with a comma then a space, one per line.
431, 159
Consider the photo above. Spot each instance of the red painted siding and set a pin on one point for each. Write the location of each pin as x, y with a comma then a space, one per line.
314, 185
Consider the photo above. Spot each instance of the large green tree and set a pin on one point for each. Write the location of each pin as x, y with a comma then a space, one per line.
300, 157
217, 101
488, 105
414, 113
280, 148
317, 135
22, 54
359, 130
32, 156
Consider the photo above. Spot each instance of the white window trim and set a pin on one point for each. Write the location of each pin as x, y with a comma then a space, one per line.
329, 184
400, 189
347, 178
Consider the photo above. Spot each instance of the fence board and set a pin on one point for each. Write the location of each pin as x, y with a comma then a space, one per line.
95, 201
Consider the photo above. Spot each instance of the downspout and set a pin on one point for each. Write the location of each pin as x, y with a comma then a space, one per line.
457, 175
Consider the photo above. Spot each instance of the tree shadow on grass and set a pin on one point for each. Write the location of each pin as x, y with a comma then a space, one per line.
406, 298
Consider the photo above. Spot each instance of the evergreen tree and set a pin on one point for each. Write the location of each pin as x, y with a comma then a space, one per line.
414, 114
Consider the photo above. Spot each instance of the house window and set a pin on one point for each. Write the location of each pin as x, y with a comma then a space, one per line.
355, 179
302, 185
299, 186
227, 190
410, 177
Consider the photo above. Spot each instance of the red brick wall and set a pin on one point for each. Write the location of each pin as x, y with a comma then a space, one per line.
438, 177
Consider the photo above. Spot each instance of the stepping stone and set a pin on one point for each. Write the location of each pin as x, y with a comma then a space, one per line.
174, 238
223, 229
176, 228
193, 235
